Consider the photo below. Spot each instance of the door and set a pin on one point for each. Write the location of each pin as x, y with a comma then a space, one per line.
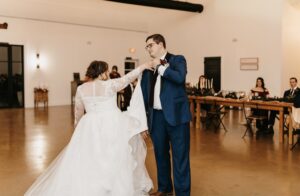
11, 76
212, 70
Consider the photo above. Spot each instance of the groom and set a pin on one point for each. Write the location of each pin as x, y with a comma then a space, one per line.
168, 115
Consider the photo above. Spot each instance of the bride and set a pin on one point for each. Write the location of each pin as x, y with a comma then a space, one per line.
106, 154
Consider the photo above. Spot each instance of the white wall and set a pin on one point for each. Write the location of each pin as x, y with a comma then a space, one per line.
65, 49
291, 41
112, 28
258, 34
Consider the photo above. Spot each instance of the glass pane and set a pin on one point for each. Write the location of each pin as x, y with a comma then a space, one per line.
3, 84
20, 98
17, 89
16, 53
3, 53
3, 68
17, 78
17, 68
17, 94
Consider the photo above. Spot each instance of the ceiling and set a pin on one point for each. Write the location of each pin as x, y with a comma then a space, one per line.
97, 13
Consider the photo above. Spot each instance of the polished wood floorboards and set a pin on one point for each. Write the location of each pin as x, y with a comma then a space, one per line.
221, 163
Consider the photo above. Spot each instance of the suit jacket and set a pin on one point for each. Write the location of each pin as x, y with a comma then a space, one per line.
173, 97
287, 92
127, 96
297, 98
288, 97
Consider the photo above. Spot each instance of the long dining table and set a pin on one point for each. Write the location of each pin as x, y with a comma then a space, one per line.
257, 104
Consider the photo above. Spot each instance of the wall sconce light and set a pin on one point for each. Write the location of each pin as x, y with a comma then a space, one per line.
132, 50
37, 60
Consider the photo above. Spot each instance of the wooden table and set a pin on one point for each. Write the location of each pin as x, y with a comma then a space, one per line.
258, 104
40, 95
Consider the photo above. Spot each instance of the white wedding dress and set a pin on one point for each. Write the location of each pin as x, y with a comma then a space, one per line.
106, 154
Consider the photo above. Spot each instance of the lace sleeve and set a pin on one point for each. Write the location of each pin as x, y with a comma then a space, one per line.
120, 83
79, 107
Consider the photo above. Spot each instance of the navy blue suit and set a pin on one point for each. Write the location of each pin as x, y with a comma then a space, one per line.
297, 98
170, 126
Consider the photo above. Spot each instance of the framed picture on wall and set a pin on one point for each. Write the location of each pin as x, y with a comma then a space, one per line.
249, 63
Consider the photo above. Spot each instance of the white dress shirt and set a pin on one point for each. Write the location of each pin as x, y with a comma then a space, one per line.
292, 91
161, 70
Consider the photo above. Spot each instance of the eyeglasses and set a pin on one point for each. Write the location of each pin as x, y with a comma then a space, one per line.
149, 46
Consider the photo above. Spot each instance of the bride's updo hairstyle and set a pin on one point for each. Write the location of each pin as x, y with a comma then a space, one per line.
95, 69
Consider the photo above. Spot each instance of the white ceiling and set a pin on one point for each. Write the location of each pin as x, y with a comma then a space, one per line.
98, 13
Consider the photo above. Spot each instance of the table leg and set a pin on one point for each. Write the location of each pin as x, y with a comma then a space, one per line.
281, 117
198, 114
192, 109
291, 138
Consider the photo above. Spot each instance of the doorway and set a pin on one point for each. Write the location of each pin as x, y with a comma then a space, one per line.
11, 76
212, 70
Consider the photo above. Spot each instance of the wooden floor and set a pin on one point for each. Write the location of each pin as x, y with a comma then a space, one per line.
222, 163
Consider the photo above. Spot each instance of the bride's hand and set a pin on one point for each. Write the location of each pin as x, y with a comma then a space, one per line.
156, 61
148, 65
145, 134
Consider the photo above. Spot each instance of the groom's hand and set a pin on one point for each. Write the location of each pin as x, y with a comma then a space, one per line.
145, 134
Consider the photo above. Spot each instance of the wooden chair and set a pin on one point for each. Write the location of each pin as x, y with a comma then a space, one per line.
285, 123
40, 95
215, 117
250, 118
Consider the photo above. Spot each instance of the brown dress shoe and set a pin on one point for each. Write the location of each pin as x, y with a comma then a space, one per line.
161, 194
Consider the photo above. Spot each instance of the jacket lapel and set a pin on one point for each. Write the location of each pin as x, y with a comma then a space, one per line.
168, 58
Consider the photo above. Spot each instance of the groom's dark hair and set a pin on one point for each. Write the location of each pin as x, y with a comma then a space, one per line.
157, 38
96, 68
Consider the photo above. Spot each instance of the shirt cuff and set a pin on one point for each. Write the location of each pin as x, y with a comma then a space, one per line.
161, 70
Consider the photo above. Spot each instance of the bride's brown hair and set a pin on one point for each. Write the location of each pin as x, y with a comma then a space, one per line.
96, 68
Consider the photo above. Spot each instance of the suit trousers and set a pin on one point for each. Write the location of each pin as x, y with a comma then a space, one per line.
164, 136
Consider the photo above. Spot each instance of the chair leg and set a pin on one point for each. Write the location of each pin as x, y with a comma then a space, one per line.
248, 125
220, 119
209, 121
220, 122
223, 126
298, 141
245, 133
